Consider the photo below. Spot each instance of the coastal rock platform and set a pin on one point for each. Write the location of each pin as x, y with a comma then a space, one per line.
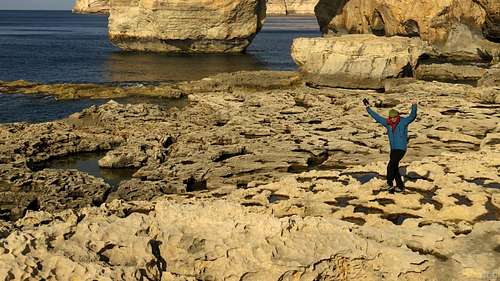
295, 168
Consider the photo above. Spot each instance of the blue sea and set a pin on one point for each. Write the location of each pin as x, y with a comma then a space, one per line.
59, 46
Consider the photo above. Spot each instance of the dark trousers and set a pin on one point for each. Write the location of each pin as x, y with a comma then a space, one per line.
393, 168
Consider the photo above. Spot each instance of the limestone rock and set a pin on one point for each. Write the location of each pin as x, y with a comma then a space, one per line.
492, 27
246, 181
124, 157
488, 95
276, 7
454, 27
224, 26
220, 240
247, 129
448, 72
49, 190
491, 77
291, 7
357, 61
91, 91
91, 6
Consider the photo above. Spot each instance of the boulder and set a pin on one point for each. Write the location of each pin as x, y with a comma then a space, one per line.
357, 61
91, 7
185, 27
454, 26
291, 7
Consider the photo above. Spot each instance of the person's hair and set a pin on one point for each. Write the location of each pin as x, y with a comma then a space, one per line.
393, 113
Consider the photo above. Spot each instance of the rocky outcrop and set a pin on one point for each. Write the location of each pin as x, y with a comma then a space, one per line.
447, 72
185, 27
491, 78
356, 61
455, 27
274, 7
91, 6
50, 190
291, 7
492, 26
90, 91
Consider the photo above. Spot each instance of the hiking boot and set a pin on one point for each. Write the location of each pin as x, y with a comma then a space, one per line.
391, 189
400, 189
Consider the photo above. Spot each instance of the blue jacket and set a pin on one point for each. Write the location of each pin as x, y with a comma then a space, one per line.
399, 138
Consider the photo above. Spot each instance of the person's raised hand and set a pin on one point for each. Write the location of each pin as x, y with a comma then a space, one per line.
413, 101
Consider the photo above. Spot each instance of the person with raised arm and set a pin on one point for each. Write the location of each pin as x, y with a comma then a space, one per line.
397, 130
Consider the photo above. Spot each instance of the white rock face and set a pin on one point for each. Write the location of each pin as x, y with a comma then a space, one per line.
357, 61
91, 6
204, 26
291, 7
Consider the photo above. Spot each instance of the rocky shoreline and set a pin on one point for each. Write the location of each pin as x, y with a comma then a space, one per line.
278, 152
269, 175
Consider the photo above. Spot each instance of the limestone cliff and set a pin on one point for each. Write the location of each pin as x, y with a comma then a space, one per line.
274, 7
457, 27
291, 7
91, 7
492, 25
202, 26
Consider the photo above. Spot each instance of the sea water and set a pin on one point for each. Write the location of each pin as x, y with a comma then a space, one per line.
59, 46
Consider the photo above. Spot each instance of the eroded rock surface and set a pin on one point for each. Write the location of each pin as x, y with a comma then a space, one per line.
91, 6
492, 26
291, 7
357, 61
296, 236
90, 91
447, 72
245, 134
491, 77
185, 27
297, 169
455, 27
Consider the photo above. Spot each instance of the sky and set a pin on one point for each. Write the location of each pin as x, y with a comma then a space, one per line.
36, 4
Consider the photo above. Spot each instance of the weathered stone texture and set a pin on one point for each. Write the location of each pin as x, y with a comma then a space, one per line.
356, 61
456, 27
205, 26
91, 6
291, 7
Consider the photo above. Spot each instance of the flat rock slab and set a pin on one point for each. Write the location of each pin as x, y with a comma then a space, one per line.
356, 61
